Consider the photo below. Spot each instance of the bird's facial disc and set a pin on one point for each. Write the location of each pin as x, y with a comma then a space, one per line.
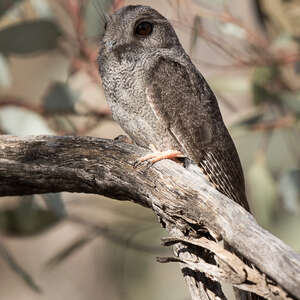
138, 27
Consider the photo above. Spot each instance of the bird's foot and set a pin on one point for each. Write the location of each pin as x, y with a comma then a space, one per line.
156, 156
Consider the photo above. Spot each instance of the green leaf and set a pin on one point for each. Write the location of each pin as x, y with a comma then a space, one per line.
289, 188
60, 99
55, 203
297, 67
262, 95
26, 220
282, 41
21, 122
94, 17
5, 74
6, 4
29, 37
234, 30
262, 190
262, 81
263, 75
196, 29
17, 268
42, 9
291, 101
231, 83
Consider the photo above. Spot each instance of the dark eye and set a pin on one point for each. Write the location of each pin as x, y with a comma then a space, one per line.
105, 25
143, 29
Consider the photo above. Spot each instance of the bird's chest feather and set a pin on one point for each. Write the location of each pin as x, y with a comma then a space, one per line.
131, 108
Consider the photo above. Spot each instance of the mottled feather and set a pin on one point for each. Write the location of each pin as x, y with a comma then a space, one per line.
192, 115
159, 97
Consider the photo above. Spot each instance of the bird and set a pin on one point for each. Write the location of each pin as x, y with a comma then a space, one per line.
162, 101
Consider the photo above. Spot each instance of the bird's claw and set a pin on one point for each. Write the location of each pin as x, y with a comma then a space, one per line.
151, 158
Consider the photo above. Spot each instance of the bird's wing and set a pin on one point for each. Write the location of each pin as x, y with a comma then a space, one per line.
176, 101
183, 101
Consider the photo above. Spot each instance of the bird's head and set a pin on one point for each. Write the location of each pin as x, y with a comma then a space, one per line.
137, 29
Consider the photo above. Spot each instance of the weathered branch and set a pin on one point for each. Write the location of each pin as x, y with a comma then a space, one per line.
230, 268
180, 196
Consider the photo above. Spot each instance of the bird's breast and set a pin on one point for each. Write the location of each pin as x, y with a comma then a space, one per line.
125, 90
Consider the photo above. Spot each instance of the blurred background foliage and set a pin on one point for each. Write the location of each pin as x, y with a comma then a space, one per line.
82, 246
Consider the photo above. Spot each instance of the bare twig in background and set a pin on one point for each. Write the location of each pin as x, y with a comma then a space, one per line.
14, 101
16, 267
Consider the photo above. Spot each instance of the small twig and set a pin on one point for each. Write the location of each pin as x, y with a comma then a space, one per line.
14, 101
230, 268
287, 121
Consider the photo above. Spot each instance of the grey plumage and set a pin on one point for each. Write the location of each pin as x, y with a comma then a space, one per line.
159, 97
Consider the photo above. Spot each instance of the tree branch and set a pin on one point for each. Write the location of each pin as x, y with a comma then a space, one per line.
183, 199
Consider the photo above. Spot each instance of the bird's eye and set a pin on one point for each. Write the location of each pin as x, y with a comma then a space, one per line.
143, 29
105, 25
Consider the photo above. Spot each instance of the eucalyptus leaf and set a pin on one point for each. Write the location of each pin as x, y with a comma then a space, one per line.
55, 203
60, 99
5, 74
29, 37
42, 8
289, 188
94, 16
297, 67
231, 83
26, 220
264, 77
234, 30
291, 101
282, 153
196, 29
283, 40
21, 122
263, 190
7, 4
262, 95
